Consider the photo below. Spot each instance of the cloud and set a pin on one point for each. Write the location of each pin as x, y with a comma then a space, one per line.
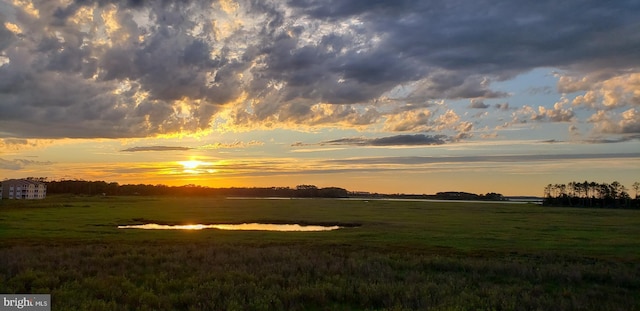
556, 114
17, 144
599, 140
492, 135
155, 148
613, 140
627, 122
398, 140
116, 68
19, 164
502, 106
455, 35
540, 90
477, 104
604, 91
416, 160
236, 144
426, 121
218, 145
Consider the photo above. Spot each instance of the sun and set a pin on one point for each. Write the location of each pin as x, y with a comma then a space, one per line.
191, 165
196, 167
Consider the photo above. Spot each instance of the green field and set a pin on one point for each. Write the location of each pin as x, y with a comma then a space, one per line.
402, 255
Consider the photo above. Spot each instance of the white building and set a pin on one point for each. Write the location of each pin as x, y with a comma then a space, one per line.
23, 189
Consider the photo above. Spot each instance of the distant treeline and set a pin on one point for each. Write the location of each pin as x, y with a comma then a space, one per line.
113, 188
491, 196
449, 195
84, 187
591, 194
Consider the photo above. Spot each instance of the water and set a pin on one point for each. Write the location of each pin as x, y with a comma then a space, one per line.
366, 199
244, 226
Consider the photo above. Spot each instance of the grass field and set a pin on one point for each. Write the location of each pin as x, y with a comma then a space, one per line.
403, 255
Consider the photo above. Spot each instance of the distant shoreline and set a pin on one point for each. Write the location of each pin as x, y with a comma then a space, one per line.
522, 201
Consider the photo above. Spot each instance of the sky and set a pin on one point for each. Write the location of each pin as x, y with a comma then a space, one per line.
389, 96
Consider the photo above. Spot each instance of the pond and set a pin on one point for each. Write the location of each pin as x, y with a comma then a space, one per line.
244, 226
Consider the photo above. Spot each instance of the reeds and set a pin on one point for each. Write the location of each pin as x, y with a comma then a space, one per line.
210, 276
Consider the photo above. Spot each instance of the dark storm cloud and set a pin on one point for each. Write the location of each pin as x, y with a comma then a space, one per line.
6, 36
62, 80
496, 36
337, 9
48, 90
398, 140
155, 148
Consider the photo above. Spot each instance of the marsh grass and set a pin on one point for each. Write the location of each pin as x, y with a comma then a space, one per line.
214, 276
405, 255
456, 225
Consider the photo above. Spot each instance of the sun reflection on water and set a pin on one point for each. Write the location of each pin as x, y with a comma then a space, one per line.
244, 226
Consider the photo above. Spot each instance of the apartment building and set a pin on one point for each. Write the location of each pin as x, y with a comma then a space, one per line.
23, 189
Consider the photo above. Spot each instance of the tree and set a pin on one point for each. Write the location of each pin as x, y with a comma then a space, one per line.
572, 188
563, 190
613, 195
547, 191
306, 187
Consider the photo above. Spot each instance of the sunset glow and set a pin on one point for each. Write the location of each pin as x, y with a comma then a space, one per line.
415, 98
190, 164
